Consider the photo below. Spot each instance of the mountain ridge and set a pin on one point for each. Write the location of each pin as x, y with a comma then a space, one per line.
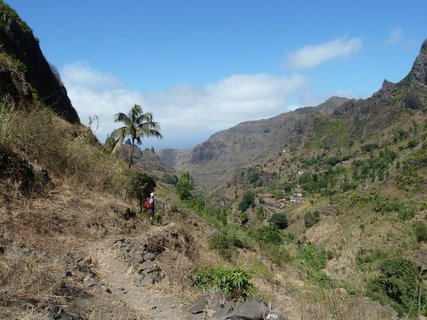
251, 142
37, 80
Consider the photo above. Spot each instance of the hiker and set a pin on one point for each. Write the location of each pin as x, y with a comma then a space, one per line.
151, 207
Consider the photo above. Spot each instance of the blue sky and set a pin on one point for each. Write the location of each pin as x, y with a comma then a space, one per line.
203, 66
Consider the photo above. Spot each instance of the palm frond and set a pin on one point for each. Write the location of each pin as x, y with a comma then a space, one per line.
123, 118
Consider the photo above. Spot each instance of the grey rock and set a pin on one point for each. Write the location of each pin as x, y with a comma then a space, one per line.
149, 256
218, 305
137, 259
105, 288
147, 267
251, 310
145, 281
219, 311
199, 305
274, 315
418, 73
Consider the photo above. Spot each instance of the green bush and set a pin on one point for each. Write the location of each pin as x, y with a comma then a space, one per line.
224, 244
371, 259
406, 210
235, 283
399, 280
276, 254
279, 220
311, 218
313, 257
185, 186
369, 147
420, 230
247, 201
412, 144
267, 235
139, 187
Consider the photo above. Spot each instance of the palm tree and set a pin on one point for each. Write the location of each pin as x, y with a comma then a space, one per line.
137, 125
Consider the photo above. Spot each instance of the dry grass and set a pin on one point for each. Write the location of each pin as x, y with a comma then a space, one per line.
39, 236
299, 300
69, 152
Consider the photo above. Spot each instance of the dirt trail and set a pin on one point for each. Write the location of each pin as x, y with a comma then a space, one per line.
146, 301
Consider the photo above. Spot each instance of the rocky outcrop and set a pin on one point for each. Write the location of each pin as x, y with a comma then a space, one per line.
418, 73
18, 173
216, 306
138, 256
18, 41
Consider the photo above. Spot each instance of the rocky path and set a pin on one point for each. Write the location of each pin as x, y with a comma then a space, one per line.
146, 301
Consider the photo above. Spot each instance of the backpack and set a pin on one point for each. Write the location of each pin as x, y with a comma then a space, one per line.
147, 203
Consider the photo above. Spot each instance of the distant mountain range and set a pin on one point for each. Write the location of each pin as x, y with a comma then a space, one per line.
214, 161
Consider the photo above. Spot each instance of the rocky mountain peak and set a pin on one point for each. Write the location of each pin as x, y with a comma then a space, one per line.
18, 42
418, 73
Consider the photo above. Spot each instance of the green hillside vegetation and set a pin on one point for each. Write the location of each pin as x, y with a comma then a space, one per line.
332, 227
359, 223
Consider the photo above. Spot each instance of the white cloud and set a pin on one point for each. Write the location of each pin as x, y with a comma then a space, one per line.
82, 75
187, 114
313, 55
394, 37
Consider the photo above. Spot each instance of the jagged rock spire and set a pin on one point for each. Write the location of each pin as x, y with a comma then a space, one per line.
418, 73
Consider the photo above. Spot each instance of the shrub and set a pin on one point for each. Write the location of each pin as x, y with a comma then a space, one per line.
185, 186
406, 210
233, 282
6, 134
279, 220
139, 187
412, 143
369, 147
412, 101
420, 230
333, 160
368, 257
267, 235
313, 257
311, 218
399, 280
224, 244
276, 254
247, 201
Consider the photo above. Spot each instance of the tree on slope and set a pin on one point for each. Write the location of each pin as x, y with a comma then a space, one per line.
185, 186
137, 125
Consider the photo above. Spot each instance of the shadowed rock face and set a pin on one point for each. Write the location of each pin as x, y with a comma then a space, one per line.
18, 41
418, 73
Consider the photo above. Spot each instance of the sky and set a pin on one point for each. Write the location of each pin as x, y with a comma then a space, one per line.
201, 66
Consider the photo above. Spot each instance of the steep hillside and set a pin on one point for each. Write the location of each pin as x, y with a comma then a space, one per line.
251, 143
325, 219
24, 72
248, 143
148, 161
348, 197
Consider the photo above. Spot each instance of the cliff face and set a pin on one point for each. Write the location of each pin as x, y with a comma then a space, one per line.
18, 42
418, 73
